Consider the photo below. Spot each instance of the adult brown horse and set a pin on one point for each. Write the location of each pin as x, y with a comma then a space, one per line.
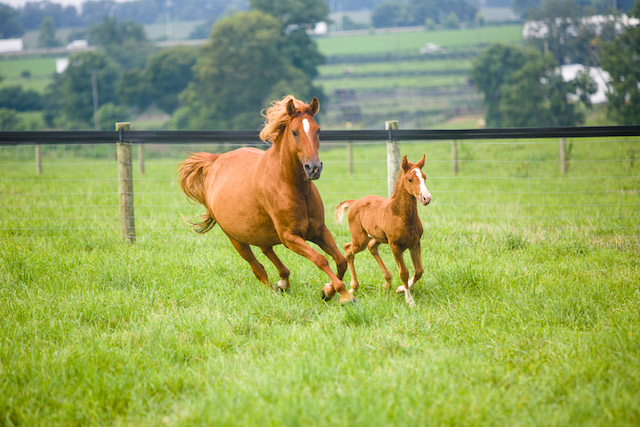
265, 198
374, 220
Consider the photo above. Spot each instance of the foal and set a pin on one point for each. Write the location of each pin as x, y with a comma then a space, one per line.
374, 220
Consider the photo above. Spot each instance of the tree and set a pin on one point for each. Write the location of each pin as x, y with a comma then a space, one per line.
621, 58
10, 26
525, 88
489, 71
19, 99
73, 91
134, 89
235, 74
47, 36
168, 73
126, 42
297, 16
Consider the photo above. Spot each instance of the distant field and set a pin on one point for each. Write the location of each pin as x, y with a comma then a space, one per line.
414, 40
41, 69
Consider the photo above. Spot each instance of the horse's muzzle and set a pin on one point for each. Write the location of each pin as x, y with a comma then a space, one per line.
313, 169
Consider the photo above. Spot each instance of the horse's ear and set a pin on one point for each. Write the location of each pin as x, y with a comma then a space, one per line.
314, 107
291, 108
420, 163
405, 164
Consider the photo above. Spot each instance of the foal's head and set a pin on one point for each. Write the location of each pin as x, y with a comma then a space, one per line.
413, 180
304, 132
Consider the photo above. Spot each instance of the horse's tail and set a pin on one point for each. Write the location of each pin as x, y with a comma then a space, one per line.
192, 176
342, 209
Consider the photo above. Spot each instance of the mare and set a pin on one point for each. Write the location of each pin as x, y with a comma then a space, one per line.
374, 220
266, 198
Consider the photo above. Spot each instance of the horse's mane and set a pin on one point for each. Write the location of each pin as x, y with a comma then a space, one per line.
276, 118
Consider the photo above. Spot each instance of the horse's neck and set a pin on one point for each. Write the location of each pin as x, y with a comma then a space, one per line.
286, 165
402, 201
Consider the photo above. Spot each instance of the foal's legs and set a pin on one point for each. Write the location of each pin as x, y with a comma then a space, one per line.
373, 248
404, 273
258, 269
283, 271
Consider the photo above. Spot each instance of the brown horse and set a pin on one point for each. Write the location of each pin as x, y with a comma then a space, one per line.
265, 198
374, 220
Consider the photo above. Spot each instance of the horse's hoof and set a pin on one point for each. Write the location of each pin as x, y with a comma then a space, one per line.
344, 300
400, 289
328, 292
283, 286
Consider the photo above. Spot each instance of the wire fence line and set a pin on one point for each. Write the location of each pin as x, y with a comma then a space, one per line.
508, 184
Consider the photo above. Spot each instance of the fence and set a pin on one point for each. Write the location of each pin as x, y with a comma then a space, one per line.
564, 182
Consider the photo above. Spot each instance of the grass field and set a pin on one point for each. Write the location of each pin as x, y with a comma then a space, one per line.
527, 313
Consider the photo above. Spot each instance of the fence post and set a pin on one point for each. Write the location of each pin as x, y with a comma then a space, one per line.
125, 185
393, 156
563, 155
350, 156
454, 156
38, 160
141, 158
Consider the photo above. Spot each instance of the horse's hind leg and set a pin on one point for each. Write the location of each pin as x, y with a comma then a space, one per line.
283, 271
245, 252
373, 248
350, 253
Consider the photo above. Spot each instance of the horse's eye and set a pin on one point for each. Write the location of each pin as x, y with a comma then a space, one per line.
410, 180
295, 133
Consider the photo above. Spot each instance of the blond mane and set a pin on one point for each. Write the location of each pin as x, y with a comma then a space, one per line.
276, 118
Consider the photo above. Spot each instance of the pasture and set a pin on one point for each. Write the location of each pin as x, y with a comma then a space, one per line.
527, 313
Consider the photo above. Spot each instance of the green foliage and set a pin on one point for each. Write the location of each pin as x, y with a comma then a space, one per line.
134, 89
236, 72
9, 120
391, 13
109, 114
47, 36
523, 88
490, 71
621, 58
71, 96
126, 42
168, 73
298, 13
10, 26
16, 98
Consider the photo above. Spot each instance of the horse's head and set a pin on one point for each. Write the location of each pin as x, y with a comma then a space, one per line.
305, 142
413, 180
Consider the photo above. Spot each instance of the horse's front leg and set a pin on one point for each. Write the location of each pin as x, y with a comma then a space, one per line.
283, 271
301, 247
328, 244
416, 257
404, 273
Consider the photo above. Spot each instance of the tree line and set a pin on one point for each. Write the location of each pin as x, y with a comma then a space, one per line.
522, 85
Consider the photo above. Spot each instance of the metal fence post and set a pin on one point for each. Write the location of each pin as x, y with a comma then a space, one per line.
393, 156
125, 185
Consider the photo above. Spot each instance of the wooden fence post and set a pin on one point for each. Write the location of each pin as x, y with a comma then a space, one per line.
125, 185
393, 156
38, 160
454, 156
563, 155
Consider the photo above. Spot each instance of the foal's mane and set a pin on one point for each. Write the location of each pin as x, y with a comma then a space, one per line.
276, 118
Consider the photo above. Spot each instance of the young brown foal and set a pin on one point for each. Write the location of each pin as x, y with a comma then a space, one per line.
374, 220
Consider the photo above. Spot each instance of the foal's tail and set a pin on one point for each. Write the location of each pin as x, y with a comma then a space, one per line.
342, 209
192, 175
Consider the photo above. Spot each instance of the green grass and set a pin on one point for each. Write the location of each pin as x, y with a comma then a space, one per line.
41, 69
414, 40
527, 313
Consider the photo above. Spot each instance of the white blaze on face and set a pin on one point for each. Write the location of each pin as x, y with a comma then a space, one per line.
307, 127
423, 187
